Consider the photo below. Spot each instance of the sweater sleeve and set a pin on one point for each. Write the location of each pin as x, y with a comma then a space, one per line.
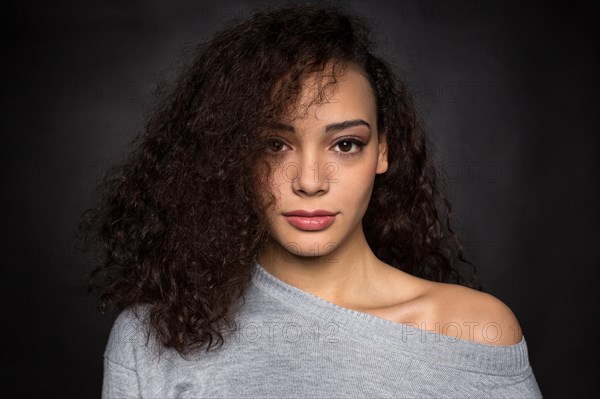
120, 356
526, 388
119, 381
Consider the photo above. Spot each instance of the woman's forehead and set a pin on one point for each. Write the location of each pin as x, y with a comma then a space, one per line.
350, 97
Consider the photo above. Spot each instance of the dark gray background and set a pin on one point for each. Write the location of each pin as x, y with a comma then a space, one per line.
509, 92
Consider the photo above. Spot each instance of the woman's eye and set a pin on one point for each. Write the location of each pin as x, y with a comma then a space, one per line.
345, 146
275, 145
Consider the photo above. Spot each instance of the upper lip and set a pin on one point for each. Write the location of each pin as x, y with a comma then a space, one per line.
302, 212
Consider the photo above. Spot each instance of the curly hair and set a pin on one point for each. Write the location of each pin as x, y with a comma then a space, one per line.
162, 237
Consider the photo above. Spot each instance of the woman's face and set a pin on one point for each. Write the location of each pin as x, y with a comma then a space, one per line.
326, 160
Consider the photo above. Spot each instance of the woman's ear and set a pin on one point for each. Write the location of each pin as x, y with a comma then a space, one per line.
382, 161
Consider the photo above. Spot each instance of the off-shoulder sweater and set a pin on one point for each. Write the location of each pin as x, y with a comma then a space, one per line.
292, 344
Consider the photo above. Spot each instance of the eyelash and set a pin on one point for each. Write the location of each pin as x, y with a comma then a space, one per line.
359, 143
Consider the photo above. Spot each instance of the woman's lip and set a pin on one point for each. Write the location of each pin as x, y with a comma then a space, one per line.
305, 213
310, 223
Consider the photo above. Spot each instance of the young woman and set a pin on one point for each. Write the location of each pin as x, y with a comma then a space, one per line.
277, 231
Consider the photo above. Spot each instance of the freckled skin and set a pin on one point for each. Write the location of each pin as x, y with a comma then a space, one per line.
318, 170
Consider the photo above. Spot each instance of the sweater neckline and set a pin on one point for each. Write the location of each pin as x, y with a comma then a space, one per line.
424, 345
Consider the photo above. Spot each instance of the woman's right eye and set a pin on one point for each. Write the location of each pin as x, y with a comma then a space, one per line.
275, 145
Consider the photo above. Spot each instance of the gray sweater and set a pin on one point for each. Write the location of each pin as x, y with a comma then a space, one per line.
292, 344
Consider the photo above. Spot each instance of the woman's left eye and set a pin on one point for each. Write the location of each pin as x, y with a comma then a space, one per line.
347, 144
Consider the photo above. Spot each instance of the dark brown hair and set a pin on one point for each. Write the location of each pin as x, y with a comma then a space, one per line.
161, 233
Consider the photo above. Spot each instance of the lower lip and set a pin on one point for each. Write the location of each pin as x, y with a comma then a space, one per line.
310, 223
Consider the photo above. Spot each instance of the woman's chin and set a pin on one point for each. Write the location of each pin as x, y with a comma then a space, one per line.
310, 248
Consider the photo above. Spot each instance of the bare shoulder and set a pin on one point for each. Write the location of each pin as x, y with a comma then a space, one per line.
474, 315
450, 309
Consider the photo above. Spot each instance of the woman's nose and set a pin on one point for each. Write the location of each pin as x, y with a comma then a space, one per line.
310, 175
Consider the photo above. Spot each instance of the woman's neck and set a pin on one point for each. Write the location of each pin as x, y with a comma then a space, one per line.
349, 275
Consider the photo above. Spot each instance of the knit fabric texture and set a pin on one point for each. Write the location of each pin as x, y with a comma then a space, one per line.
292, 344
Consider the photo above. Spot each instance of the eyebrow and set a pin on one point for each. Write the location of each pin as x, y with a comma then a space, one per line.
333, 127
